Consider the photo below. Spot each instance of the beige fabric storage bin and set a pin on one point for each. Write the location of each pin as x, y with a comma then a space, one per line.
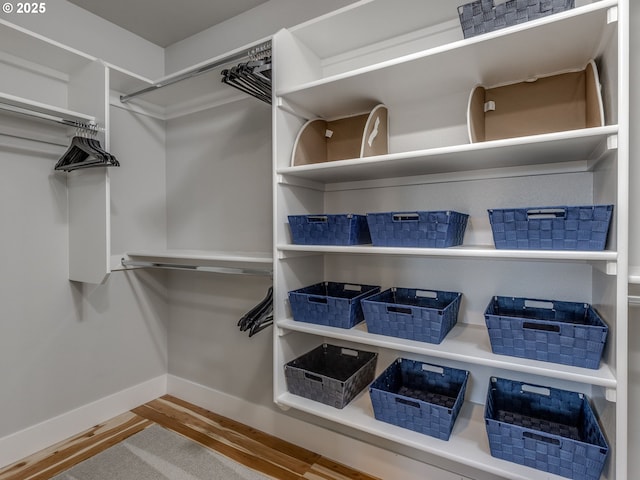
344, 138
546, 104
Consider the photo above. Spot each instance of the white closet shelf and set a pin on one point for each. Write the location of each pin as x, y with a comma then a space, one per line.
569, 40
475, 251
465, 343
20, 43
203, 257
48, 110
467, 445
575, 150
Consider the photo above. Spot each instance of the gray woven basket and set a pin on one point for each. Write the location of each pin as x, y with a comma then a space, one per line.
482, 16
330, 374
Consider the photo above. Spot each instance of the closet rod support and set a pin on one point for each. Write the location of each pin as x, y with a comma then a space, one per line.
235, 57
198, 268
68, 122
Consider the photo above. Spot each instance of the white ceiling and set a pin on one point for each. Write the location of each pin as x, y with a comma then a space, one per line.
165, 22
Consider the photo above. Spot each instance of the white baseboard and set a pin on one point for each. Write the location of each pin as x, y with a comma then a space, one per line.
45, 434
340, 448
348, 451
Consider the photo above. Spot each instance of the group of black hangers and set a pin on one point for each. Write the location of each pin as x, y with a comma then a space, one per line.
259, 317
85, 152
252, 78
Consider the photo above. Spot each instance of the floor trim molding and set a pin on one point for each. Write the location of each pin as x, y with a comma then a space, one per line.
42, 435
369, 459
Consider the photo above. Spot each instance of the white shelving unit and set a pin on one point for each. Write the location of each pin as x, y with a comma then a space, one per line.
44, 76
422, 69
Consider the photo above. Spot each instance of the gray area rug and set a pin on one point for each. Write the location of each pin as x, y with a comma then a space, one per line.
155, 454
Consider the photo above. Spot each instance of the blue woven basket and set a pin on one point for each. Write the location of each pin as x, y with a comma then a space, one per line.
414, 314
551, 228
544, 428
330, 303
548, 330
331, 375
483, 16
436, 229
339, 229
420, 397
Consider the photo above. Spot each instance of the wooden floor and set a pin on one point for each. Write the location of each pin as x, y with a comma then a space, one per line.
255, 449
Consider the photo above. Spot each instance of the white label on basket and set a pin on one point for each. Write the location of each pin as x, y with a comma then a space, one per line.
328, 133
346, 351
353, 288
537, 390
432, 368
426, 294
489, 106
538, 304
374, 133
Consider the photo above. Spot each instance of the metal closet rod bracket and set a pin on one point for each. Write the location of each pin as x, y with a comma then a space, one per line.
199, 268
253, 53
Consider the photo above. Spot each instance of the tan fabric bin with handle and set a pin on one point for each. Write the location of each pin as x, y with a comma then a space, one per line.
344, 138
546, 104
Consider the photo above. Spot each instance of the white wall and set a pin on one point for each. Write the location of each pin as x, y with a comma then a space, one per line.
219, 198
258, 23
63, 344
634, 240
73, 26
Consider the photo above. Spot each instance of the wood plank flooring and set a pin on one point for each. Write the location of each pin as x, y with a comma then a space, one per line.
253, 448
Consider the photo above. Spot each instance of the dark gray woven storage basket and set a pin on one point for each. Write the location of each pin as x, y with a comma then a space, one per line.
331, 375
482, 16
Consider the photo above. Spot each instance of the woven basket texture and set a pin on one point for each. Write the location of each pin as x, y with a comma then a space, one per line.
482, 16
569, 333
404, 313
556, 432
331, 375
425, 401
331, 304
551, 228
338, 229
430, 229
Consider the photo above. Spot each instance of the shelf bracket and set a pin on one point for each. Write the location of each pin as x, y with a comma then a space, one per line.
612, 15
611, 395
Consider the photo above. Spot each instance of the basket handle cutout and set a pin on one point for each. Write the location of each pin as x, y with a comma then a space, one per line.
542, 213
408, 402
317, 219
406, 217
537, 390
541, 438
353, 288
317, 300
347, 351
538, 304
541, 326
315, 378
432, 368
402, 310
426, 294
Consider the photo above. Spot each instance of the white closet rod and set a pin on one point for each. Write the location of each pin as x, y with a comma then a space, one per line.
235, 57
634, 300
69, 122
199, 268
